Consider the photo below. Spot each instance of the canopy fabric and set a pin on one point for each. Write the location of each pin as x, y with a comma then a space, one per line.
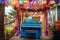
29, 3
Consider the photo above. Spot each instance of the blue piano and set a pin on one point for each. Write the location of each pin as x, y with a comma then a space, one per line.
31, 28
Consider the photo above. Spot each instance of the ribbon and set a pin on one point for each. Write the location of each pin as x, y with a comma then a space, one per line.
48, 2
22, 2
6, 2
13, 2
10, 2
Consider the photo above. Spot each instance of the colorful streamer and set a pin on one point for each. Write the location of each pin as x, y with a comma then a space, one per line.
48, 2
52, 2
10, 2
44, 2
22, 2
18, 3
13, 2
1, 1
26, 3
6, 2
40, 2
31, 2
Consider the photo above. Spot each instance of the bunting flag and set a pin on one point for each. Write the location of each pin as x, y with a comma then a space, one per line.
21, 2
31, 4
26, 3
6, 2
56, 1
35, 4
17, 3
13, 2
10, 2
44, 2
40, 2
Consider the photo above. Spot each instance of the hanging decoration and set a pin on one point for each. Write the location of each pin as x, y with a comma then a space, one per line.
6, 2
52, 2
26, 3
21, 2
44, 2
17, 3
16, 27
40, 2
13, 2
35, 4
42, 6
56, 1
31, 4
48, 2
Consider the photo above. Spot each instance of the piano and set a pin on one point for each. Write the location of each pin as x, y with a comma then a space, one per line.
30, 26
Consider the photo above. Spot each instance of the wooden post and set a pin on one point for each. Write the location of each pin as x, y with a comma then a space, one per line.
17, 26
2, 21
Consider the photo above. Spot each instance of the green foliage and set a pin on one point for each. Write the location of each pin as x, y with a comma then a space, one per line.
9, 30
12, 16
